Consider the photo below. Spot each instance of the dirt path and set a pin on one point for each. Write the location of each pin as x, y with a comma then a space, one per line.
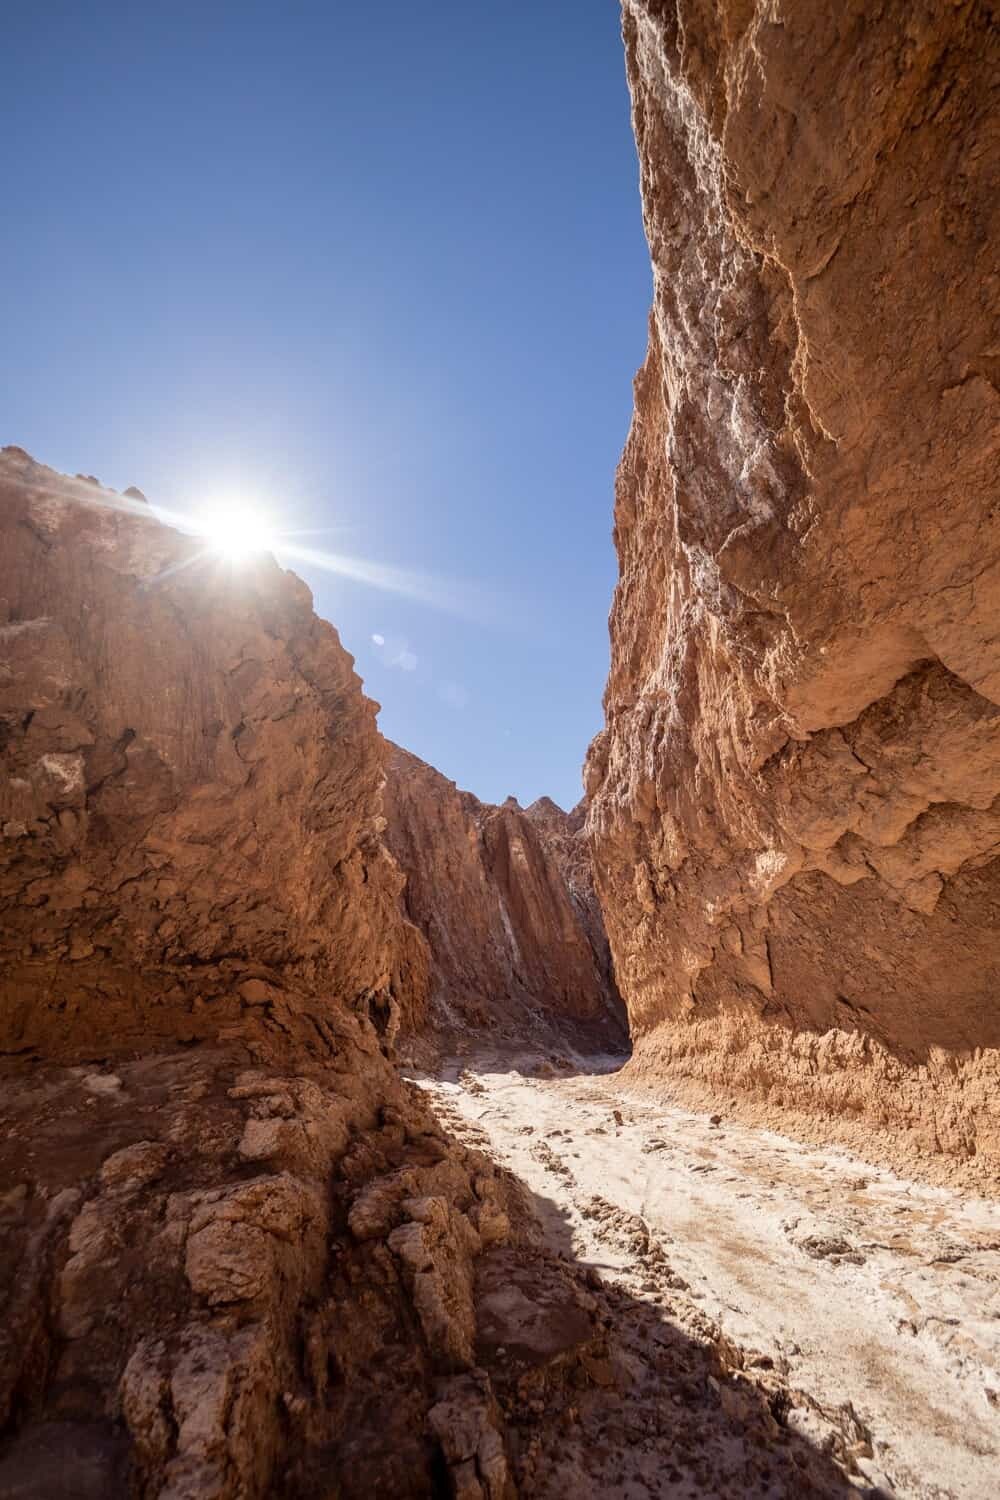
878, 1299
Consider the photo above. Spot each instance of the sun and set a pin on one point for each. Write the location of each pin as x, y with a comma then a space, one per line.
236, 529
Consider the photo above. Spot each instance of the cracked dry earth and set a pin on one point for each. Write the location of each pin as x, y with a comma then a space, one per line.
863, 1308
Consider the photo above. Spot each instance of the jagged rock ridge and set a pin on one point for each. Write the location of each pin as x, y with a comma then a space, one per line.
794, 804
504, 896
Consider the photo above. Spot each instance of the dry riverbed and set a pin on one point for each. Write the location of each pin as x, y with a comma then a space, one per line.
876, 1299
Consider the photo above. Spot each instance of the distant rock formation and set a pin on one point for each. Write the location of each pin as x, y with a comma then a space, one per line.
795, 805
505, 898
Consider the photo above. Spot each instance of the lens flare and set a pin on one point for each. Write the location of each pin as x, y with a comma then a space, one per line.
236, 530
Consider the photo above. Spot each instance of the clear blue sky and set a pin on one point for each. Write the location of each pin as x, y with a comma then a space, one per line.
380, 267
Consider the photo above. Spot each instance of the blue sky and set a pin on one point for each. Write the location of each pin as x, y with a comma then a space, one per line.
379, 268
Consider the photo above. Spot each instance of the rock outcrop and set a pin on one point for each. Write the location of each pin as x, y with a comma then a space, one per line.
236, 1252
192, 790
795, 803
505, 898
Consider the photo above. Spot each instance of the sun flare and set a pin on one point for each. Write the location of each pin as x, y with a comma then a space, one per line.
237, 529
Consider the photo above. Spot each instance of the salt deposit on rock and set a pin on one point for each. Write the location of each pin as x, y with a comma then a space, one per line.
794, 804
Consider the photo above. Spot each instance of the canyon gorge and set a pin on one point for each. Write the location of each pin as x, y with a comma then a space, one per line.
362, 1138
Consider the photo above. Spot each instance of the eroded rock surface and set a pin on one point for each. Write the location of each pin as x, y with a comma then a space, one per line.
191, 794
203, 962
505, 898
195, 1302
794, 804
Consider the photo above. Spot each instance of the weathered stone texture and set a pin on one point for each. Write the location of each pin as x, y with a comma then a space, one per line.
202, 960
794, 804
191, 796
505, 898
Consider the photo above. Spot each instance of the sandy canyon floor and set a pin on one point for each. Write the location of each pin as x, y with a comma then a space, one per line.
867, 1305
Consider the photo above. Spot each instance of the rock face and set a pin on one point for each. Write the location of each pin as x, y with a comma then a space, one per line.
505, 899
192, 789
236, 1252
794, 804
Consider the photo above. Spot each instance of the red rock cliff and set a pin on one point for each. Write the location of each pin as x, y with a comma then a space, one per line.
192, 792
236, 1253
505, 898
794, 804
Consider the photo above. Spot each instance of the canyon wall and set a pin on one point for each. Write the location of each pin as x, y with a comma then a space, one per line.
192, 791
237, 1254
505, 898
795, 803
